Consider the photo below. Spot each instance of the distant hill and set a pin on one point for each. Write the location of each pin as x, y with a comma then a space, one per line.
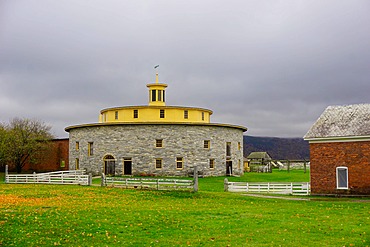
277, 148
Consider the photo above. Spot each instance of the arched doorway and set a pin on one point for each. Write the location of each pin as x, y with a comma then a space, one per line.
109, 165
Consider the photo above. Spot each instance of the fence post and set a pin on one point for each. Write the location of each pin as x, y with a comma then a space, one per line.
226, 185
102, 183
308, 188
6, 174
291, 188
89, 183
288, 166
304, 165
195, 178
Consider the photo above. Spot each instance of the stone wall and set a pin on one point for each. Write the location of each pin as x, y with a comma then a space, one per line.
326, 157
137, 142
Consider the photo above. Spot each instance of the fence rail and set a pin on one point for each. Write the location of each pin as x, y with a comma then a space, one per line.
150, 183
294, 188
60, 177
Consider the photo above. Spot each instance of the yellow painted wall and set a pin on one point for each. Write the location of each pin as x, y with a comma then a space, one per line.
246, 166
152, 114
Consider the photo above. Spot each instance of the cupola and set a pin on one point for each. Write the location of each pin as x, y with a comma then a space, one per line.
157, 93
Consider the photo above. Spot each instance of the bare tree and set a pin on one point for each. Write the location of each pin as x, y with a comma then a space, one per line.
26, 138
3, 137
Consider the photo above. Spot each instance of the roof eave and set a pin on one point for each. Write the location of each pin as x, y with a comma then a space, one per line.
337, 139
67, 129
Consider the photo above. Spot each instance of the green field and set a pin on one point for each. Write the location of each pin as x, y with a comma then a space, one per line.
52, 215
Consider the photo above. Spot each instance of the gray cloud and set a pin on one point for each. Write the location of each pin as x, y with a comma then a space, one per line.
272, 66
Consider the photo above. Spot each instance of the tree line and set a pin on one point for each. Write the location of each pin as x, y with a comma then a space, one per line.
21, 141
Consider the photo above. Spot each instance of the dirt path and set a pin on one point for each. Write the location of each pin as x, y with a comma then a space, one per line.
278, 197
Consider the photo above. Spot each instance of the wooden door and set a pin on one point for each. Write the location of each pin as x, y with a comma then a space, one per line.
229, 167
127, 167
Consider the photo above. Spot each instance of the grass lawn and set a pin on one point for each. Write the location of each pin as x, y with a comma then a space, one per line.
52, 215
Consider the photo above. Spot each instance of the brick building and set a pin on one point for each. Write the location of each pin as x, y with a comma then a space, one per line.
55, 158
340, 151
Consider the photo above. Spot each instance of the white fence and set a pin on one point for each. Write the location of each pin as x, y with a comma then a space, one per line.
151, 183
294, 188
59, 177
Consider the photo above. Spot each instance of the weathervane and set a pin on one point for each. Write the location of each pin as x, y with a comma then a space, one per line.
156, 74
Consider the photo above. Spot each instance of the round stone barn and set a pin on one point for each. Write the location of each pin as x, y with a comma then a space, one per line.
156, 140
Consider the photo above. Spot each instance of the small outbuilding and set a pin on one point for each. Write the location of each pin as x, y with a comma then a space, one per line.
259, 162
340, 151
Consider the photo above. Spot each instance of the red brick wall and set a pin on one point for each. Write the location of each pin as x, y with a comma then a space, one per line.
50, 160
325, 157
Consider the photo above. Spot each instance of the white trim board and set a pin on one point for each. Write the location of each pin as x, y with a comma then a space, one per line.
338, 139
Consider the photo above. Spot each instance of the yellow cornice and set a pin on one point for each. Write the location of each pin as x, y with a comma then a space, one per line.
67, 129
156, 107
157, 85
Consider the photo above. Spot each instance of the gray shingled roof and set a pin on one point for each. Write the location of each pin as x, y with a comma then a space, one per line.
342, 121
259, 155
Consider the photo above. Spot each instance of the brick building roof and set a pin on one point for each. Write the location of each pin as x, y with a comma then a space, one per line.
342, 121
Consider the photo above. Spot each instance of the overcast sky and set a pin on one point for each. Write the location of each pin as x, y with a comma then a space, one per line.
272, 66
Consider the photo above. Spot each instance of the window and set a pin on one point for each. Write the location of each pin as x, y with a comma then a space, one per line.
90, 148
207, 144
179, 163
228, 148
202, 116
77, 164
163, 95
77, 146
62, 163
116, 115
239, 146
211, 163
159, 95
161, 113
186, 114
342, 177
159, 143
158, 163
136, 113
154, 92
239, 164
